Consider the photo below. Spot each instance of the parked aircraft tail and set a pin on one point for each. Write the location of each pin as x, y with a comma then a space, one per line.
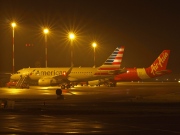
114, 60
158, 67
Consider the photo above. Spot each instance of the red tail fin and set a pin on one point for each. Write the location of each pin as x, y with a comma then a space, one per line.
160, 63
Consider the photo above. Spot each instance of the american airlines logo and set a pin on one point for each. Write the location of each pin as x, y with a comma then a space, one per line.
159, 63
50, 73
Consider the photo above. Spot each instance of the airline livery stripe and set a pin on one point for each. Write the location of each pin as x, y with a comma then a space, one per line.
121, 50
112, 56
120, 55
117, 61
108, 64
109, 68
109, 61
118, 58
102, 74
112, 67
113, 60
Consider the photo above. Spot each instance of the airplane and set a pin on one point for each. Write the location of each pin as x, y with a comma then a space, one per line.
156, 69
64, 76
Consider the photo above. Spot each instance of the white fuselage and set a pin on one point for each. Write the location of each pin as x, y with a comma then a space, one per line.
76, 74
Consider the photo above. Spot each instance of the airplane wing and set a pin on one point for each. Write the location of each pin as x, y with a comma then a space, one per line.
58, 79
64, 75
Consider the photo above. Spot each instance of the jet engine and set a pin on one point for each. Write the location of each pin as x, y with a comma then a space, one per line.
97, 82
105, 81
94, 82
47, 82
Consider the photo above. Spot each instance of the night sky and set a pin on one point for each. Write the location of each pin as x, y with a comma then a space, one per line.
144, 27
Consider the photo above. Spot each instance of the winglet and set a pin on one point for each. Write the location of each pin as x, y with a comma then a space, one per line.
69, 71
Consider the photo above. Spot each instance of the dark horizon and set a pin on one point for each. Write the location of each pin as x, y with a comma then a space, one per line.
145, 28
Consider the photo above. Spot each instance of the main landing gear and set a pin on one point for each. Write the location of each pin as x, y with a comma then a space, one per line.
111, 84
66, 86
63, 86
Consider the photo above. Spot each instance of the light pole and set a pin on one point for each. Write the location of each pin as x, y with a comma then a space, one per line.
46, 32
94, 46
13, 26
71, 37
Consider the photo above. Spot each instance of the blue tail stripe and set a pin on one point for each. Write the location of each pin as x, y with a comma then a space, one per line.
114, 53
112, 57
109, 61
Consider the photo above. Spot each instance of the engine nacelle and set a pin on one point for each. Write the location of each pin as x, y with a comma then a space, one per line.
94, 82
46, 82
105, 81
97, 82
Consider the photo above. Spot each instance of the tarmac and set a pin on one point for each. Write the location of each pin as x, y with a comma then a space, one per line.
130, 108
